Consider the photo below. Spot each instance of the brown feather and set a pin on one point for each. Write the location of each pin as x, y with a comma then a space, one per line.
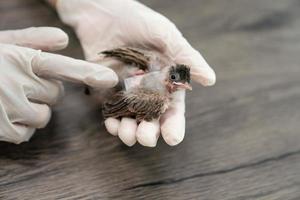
129, 56
139, 103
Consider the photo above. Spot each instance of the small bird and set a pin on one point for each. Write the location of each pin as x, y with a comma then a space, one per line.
150, 96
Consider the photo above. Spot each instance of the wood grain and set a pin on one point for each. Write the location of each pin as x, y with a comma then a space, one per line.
242, 138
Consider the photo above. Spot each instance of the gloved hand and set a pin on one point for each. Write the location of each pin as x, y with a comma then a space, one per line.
107, 24
29, 79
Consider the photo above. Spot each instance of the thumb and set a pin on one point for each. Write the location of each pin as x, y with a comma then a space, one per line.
201, 72
44, 38
175, 45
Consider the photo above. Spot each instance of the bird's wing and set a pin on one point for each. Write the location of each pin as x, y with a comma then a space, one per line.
116, 106
147, 104
129, 56
142, 104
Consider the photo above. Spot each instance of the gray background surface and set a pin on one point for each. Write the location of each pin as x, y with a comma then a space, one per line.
242, 136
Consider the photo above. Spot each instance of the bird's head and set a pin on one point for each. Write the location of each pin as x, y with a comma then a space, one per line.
178, 78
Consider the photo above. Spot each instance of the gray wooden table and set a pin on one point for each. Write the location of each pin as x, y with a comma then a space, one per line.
242, 136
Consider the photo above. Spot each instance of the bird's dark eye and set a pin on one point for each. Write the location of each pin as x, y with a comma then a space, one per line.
174, 77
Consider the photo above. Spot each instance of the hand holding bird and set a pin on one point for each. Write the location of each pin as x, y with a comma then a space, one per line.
111, 24
150, 97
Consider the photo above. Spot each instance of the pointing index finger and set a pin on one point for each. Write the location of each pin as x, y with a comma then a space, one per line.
73, 70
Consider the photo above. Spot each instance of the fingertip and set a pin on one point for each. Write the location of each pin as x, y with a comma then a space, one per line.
23, 134
114, 79
45, 115
45, 38
112, 125
211, 78
104, 78
127, 130
59, 39
173, 129
37, 116
147, 133
201, 72
206, 76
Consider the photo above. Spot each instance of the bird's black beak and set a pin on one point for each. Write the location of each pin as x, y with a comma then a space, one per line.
185, 85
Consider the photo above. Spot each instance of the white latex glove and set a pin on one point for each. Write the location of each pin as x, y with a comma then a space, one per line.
29, 79
107, 24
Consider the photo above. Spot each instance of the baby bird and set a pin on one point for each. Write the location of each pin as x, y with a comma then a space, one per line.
150, 97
